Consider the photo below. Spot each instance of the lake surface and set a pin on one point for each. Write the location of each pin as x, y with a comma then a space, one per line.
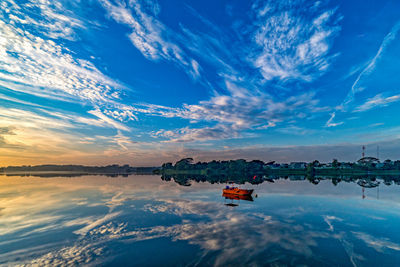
144, 221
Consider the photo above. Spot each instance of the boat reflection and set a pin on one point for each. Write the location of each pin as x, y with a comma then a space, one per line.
236, 197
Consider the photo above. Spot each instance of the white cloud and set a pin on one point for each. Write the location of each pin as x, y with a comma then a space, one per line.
108, 120
377, 101
197, 134
80, 253
244, 104
379, 244
291, 46
55, 21
294, 130
243, 107
215, 237
329, 219
47, 68
93, 224
330, 122
44, 135
123, 113
22, 118
15, 100
243, 110
32, 61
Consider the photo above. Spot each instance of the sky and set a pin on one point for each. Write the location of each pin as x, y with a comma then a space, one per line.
144, 82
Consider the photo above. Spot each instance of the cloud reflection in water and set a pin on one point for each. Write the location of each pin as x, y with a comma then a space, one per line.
100, 220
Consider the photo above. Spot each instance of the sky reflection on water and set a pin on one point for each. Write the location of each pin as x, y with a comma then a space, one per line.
142, 220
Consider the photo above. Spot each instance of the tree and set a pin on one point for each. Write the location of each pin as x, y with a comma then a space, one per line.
335, 163
397, 164
310, 170
387, 164
183, 164
167, 165
315, 163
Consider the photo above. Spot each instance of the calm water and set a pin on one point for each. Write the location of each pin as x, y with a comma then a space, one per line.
142, 220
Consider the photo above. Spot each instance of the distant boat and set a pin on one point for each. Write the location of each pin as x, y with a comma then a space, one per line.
232, 190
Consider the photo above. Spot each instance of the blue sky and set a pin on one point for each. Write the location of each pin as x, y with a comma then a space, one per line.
143, 82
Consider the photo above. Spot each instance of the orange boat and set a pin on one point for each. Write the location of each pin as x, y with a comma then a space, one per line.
237, 191
237, 197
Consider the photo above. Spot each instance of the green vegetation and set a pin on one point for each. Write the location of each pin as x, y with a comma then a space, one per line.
365, 172
365, 165
256, 171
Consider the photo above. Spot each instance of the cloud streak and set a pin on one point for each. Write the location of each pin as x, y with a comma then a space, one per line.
330, 122
356, 88
149, 35
379, 244
377, 101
